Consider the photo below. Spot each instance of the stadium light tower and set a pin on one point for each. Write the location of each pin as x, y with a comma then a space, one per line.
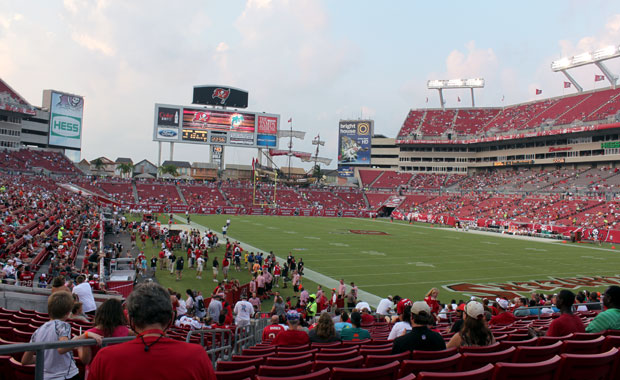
445, 84
595, 57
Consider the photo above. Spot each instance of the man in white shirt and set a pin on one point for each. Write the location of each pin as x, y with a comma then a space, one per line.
243, 311
85, 295
384, 308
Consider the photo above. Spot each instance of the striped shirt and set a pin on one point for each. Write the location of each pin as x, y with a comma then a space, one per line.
608, 319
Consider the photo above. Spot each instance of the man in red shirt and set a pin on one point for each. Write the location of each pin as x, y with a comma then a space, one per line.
294, 336
152, 354
567, 322
271, 331
504, 317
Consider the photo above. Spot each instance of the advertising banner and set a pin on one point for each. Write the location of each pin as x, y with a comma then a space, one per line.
345, 171
168, 117
354, 142
66, 120
266, 140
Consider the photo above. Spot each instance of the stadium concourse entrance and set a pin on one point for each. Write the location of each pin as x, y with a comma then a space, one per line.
385, 211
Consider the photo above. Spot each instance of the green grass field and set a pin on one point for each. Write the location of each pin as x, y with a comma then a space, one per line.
407, 260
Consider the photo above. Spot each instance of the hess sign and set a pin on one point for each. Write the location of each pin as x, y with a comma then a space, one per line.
223, 96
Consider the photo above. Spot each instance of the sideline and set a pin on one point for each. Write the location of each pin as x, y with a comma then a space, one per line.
327, 282
498, 235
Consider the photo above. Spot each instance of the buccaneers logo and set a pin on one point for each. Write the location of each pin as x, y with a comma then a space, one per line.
221, 94
201, 117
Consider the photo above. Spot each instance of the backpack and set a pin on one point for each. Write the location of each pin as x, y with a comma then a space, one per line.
201, 305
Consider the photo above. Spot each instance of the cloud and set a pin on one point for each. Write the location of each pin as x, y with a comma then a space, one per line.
92, 43
474, 63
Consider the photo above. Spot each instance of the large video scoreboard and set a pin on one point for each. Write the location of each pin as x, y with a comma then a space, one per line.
196, 125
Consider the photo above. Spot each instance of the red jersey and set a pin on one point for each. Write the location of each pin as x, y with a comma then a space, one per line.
566, 324
26, 278
276, 270
270, 332
400, 306
291, 338
433, 304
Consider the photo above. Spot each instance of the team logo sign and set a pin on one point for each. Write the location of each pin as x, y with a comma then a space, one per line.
221, 94
201, 117
69, 102
525, 288
368, 232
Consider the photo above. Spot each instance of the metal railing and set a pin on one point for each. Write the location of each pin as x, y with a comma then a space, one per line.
39, 349
220, 340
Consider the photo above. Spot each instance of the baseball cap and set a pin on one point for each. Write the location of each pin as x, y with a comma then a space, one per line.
292, 315
461, 307
420, 306
502, 303
474, 309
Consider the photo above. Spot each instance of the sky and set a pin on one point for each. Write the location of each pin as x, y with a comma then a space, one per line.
314, 61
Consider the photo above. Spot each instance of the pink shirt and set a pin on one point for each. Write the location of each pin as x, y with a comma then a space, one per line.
261, 281
342, 289
252, 286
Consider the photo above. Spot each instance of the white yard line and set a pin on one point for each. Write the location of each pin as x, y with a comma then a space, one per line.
311, 275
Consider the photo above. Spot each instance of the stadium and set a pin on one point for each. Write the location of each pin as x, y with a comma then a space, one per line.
478, 242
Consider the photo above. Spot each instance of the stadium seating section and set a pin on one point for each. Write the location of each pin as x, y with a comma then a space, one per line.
588, 107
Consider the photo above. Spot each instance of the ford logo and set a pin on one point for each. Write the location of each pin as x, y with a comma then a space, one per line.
167, 133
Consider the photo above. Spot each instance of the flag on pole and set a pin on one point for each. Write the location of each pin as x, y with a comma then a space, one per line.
503, 98
427, 99
598, 78
538, 92
253, 164
567, 84
290, 120
458, 99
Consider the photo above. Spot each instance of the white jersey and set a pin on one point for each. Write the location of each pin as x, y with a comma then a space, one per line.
200, 262
384, 307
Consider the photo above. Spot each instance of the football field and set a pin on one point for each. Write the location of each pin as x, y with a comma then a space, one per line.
385, 258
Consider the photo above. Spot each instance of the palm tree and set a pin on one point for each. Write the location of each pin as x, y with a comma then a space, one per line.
168, 169
126, 168
98, 162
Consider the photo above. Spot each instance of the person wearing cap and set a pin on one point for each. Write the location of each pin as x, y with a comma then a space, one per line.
355, 333
420, 337
294, 336
567, 322
243, 311
504, 317
610, 318
475, 331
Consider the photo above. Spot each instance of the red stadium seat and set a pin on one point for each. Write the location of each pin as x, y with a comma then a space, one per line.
355, 362
336, 356
22, 372
410, 376
375, 351
320, 346
242, 358
6, 371
377, 360
431, 355
283, 371
586, 336
292, 348
449, 364
292, 354
592, 346
288, 361
490, 348
589, 367
484, 373
258, 351
547, 340
530, 354
230, 366
385, 372
337, 350
21, 336
544, 370
610, 342
515, 343
474, 360
323, 374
